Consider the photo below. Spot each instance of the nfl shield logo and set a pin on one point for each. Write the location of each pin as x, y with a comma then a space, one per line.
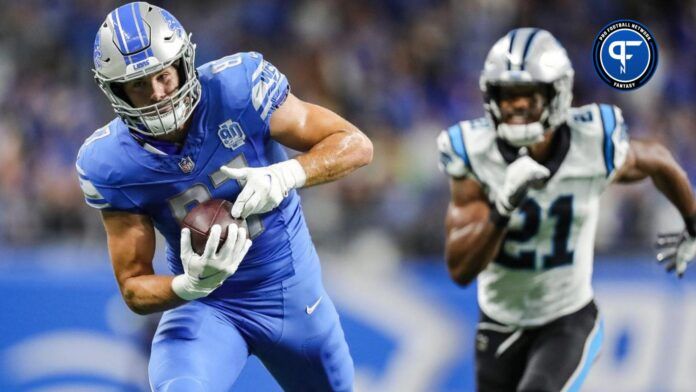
186, 164
231, 134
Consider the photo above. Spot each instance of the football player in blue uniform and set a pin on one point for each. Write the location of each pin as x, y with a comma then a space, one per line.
525, 182
184, 135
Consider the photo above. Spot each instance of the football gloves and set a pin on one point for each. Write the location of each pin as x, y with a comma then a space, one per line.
264, 188
677, 250
205, 273
519, 176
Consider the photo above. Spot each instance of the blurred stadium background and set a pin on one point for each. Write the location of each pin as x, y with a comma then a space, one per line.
400, 70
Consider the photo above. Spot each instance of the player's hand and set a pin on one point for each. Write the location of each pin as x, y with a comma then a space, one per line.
677, 250
204, 273
519, 176
264, 188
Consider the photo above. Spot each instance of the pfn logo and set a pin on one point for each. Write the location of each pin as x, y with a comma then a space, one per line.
621, 55
625, 54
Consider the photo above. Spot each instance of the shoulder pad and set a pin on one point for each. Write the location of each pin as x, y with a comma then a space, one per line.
269, 87
96, 149
226, 80
95, 168
246, 77
601, 130
615, 142
463, 143
454, 159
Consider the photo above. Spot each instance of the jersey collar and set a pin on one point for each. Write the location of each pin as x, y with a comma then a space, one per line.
170, 163
560, 144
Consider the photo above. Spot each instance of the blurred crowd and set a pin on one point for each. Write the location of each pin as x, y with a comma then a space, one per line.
401, 70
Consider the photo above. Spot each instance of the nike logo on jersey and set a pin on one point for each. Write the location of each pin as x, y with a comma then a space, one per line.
310, 309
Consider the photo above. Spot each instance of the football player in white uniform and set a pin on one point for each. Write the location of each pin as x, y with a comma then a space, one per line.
525, 187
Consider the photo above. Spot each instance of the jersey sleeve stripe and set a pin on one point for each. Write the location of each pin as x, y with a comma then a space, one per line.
456, 135
266, 84
80, 171
257, 71
91, 192
608, 123
96, 199
97, 203
269, 89
270, 98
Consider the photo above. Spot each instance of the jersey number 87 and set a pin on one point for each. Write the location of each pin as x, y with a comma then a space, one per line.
182, 203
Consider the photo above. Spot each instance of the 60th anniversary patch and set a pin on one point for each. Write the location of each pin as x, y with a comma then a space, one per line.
625, 54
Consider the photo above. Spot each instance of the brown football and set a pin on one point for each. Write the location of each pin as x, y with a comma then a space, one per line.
202, 218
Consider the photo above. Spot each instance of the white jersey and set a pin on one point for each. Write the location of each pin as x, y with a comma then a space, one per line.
544, 267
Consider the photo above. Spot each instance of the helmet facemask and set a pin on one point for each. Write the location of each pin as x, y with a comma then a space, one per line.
528, 58
547, 111
137, 40
520, 125
163, 117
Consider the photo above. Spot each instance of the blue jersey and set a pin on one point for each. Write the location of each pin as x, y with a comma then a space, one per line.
230, 126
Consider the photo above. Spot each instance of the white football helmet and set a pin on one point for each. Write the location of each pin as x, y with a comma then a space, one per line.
528, 56
138, 39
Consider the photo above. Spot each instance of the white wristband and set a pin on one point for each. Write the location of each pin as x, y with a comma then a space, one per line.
291, 173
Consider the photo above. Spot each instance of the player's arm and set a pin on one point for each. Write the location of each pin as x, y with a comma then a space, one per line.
332, 147
475, 227
131, 240
652, 159
472, 239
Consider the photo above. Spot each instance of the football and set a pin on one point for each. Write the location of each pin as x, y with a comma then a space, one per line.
202, 218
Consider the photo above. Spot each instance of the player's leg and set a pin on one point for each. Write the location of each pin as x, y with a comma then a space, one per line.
194, 349
312, 353
563, 351
501, 352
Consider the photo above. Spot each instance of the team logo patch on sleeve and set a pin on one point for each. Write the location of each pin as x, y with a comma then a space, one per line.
231, 134
625, 54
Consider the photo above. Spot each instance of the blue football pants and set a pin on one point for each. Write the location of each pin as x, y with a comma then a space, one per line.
293, 327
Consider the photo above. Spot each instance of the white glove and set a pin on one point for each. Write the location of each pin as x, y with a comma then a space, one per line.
205, 273
520, 135
264, 187
677, 251
519, 176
